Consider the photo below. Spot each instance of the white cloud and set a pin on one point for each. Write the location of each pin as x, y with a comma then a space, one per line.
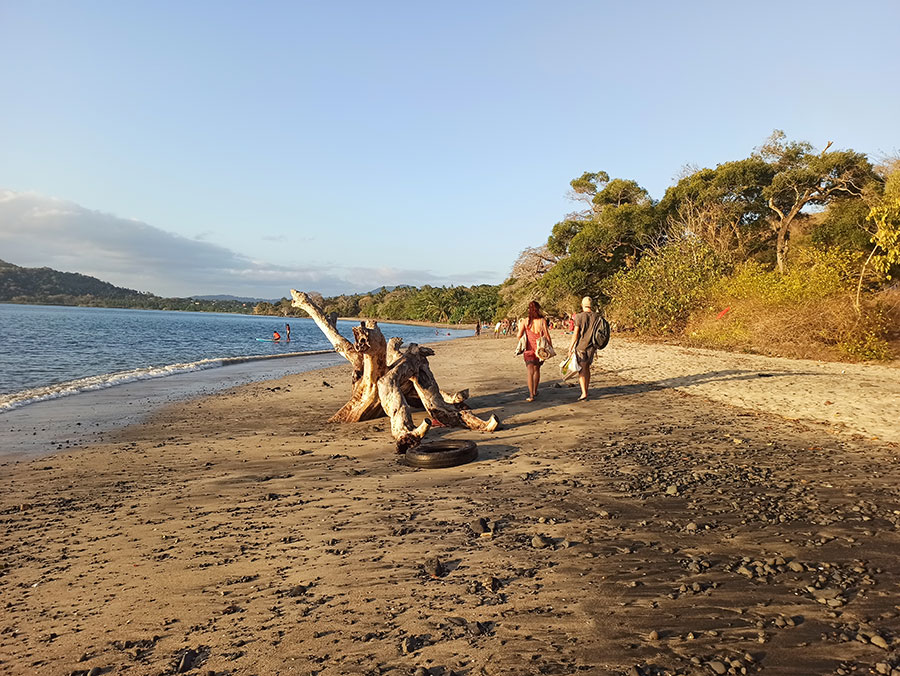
39, 231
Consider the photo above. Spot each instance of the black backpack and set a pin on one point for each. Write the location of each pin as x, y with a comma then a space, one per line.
600, 334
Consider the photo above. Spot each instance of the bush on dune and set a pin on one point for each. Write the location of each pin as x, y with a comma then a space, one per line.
659, 294
808, 312
686, 289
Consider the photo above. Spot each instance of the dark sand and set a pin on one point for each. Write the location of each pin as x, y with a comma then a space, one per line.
645, 531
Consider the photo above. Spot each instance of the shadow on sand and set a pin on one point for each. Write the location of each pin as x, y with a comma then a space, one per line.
510, 403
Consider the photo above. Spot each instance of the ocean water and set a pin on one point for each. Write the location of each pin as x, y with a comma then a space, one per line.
47, 352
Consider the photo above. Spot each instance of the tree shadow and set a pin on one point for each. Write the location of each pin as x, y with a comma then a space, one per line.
512, 401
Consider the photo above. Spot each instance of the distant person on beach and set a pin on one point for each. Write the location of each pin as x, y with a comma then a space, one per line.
287, 332
478, 328
585, 322
276, 336
497, 330
534, 328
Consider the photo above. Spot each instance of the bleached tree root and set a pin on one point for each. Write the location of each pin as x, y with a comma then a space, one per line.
367, 356
413, 367
386, 380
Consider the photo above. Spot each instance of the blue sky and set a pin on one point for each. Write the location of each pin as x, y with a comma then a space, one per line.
340, 146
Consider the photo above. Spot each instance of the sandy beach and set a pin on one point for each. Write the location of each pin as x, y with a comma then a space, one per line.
702, 513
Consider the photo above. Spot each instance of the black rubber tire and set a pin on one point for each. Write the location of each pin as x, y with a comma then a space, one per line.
439, 454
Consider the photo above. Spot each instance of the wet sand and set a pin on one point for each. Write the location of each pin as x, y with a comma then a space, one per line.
73, 421
645, 531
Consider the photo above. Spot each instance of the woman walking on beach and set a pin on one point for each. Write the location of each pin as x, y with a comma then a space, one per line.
534, 328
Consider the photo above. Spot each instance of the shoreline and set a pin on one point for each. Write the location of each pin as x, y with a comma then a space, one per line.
45, 427
737, 379
414, 322
14, 400
66, 423
243, 533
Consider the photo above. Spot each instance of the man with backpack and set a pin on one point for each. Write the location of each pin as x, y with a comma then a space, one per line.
591, 334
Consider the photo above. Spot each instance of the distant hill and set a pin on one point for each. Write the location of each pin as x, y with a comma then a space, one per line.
239, 299
45, 286
17, 282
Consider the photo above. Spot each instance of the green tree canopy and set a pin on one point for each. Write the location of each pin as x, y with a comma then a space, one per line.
724, 206
805, 178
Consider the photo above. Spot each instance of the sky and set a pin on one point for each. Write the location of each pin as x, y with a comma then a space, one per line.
223, 147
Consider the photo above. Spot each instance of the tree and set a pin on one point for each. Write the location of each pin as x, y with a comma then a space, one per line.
586, 186
724, 206
886, 238
533, 263
844, 225
804, 178
885, 217
588, 246
483, 303
619, 192
433, 305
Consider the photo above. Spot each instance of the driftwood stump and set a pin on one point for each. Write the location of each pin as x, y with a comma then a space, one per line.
386, 380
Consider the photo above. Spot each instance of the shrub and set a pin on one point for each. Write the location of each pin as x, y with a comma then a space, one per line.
807, 313
658, 295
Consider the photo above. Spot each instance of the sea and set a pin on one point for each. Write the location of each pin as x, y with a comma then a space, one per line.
67, 370
48, 351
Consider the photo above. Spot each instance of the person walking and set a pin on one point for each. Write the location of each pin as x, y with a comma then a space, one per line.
534, 328
287, 331
585, 323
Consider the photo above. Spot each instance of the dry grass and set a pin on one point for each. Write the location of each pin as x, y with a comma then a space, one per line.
826, 328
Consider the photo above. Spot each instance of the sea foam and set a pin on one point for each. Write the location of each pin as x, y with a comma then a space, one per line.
9, 402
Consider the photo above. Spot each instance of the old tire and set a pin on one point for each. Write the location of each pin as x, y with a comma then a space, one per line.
441, 454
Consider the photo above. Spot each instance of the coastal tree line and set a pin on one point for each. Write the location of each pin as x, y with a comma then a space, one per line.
450, 305
792, 250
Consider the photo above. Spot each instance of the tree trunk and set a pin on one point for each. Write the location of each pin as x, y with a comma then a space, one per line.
784, 225
396, 405
409, 391
367, 356
386, 381
781, 248
435, 401
413, 367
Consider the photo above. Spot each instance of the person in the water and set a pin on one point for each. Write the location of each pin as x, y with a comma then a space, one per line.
276, 336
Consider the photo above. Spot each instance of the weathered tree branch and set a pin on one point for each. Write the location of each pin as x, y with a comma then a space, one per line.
386, 380
366, 356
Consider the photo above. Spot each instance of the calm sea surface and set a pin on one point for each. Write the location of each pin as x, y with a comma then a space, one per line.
47, 351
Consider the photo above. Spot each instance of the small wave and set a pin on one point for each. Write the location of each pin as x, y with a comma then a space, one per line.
17, 399
10, 401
